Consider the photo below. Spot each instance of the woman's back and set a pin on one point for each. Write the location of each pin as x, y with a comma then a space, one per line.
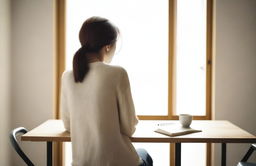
100, 115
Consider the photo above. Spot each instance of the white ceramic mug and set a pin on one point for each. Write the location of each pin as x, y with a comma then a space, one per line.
185, 120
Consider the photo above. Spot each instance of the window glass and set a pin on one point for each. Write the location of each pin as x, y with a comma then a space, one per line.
191, 57
143, 48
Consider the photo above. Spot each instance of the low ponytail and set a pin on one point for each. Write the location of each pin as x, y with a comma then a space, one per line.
95, 33
80, 64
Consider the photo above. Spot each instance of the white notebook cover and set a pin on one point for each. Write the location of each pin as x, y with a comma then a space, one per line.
175, 130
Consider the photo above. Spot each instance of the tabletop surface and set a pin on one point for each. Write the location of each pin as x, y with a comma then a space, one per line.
212, 132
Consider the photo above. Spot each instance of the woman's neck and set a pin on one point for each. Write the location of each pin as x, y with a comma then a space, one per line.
93, 58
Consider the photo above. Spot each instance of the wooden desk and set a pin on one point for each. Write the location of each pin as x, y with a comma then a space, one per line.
212, 132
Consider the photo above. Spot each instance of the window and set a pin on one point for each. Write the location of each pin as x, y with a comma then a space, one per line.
191, 57
144, 45
166, 49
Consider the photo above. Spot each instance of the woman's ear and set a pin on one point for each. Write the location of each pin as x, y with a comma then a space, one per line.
109, 51
107, 48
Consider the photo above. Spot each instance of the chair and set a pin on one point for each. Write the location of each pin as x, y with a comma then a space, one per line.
13, 139
244, 162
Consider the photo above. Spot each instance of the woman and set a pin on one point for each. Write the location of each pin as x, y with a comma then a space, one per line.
96, 102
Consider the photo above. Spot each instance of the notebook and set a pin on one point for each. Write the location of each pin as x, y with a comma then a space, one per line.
175, 130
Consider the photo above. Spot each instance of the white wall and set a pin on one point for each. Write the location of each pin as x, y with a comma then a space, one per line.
31, 70
235, 70
4, 80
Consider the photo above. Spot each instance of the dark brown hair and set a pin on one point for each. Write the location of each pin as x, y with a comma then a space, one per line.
95, 33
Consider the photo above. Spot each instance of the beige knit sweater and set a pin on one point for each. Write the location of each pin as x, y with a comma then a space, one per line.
100, 115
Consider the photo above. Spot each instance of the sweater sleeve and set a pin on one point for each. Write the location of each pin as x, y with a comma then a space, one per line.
65, 114
127, 117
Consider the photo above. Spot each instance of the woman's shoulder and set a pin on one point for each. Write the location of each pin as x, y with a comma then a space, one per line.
117, 68
116, 72
108, 69
121, 74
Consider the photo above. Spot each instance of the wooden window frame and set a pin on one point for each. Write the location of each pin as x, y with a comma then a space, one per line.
59, 61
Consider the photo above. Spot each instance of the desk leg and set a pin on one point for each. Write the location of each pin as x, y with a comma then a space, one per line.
49, 153
223, 154
177, 154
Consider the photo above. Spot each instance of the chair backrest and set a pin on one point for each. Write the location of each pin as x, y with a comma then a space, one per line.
249, 153
14, 142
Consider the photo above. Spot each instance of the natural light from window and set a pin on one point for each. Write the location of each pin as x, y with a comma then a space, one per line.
191, 57
144, 45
